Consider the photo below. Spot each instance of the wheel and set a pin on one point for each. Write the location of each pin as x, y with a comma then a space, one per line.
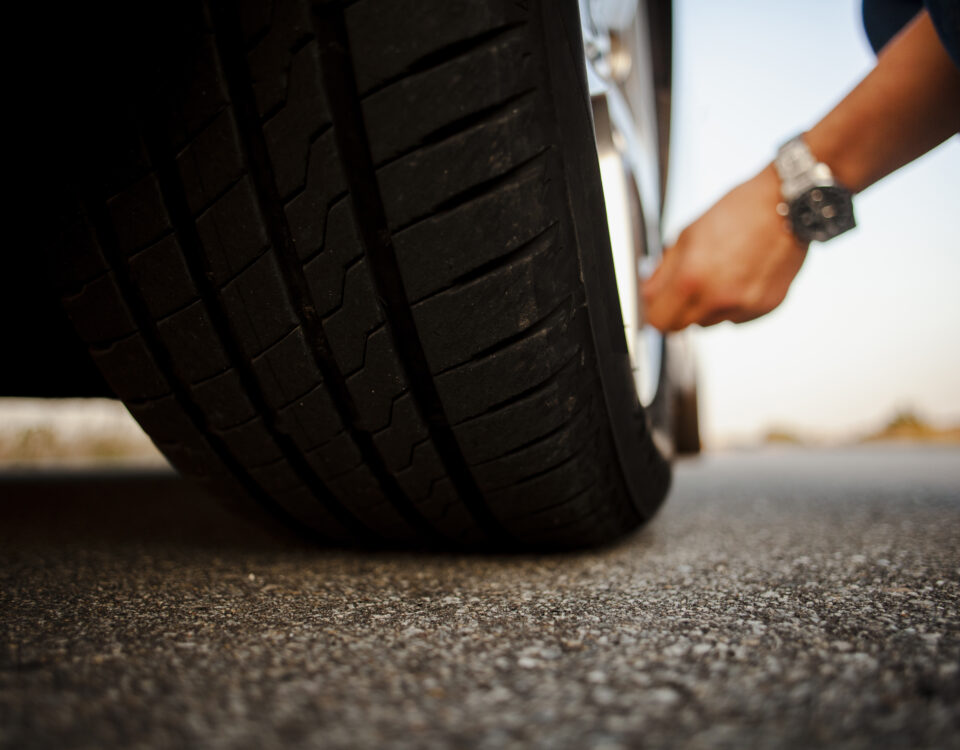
349, 259
628, 75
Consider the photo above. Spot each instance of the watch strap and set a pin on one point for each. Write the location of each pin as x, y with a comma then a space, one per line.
799, 169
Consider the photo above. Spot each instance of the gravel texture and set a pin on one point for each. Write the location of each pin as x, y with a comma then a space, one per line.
791, 598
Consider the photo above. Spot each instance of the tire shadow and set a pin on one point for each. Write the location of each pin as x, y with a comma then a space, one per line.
46, 512
120, 507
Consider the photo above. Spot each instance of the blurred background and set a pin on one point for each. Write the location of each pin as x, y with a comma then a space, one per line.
868, 334
73, 432
866, 342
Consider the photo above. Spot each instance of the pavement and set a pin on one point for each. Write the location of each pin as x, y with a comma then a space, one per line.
788, 598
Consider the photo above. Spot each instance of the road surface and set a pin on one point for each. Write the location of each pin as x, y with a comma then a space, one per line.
791, 598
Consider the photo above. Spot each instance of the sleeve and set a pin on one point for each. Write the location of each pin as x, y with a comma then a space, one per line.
945, 15
882, 19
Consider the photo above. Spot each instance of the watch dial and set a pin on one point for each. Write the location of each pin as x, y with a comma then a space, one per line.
822, 213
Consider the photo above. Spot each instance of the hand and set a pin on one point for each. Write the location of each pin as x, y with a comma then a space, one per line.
735, 262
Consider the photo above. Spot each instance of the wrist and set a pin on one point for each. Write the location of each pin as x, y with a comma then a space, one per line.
816, 203
769, 181
845, 163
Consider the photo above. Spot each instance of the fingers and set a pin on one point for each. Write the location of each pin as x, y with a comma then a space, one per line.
673, 297
674, 300
655, 282
665, 301
735, 262
721, 316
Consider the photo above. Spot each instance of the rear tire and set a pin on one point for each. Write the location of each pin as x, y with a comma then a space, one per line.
686, 423
352, 262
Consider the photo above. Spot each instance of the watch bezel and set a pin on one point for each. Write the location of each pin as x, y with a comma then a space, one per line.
821, 213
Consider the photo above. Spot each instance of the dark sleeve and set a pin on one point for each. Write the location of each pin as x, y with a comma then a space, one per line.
945, 15
882, 19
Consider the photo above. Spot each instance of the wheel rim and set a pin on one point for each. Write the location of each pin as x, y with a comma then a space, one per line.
619, 73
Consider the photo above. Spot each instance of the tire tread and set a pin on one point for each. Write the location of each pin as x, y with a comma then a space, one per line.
305, 294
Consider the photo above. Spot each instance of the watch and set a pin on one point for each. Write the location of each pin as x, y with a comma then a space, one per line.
815, 204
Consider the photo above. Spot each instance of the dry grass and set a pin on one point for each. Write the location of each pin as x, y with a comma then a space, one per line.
71, 431
908, 426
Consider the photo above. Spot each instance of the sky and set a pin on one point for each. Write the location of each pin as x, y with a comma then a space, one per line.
870, 326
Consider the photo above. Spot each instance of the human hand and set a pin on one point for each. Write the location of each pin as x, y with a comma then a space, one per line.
735, 262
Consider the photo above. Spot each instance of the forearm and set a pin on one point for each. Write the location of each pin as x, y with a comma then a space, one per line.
908, 104
736, 262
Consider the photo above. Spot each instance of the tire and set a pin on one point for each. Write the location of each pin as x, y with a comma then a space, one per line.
350, 260
686, 434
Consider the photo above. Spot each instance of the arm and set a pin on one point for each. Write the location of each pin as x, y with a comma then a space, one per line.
737, 261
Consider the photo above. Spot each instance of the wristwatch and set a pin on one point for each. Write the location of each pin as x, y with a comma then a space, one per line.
815, 204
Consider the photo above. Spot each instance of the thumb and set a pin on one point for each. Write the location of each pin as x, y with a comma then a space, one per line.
653, 285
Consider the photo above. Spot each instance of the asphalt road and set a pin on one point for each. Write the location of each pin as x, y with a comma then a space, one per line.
781, 599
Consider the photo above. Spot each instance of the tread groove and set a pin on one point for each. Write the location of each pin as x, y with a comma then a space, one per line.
300, 189
220, 194
413, 449
575, 523
343, 284
460, 125
296, 47
230, 48
165, 235
329, 207
473, 192
481, 271
550, 508
203, 381
445, 54
505, 343
547, 470
339, 82
175, 199
565, 425
71, 291
222, 285
366, 348
493, 408
176, 311
104, 346
198, 129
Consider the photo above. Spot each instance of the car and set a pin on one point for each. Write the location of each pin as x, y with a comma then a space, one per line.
373, 265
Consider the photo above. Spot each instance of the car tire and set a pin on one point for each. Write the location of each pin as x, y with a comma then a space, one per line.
349, 259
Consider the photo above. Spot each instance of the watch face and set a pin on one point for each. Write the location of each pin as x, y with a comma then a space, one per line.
822, 213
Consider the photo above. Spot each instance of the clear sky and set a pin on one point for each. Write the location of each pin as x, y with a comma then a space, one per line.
872, 323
